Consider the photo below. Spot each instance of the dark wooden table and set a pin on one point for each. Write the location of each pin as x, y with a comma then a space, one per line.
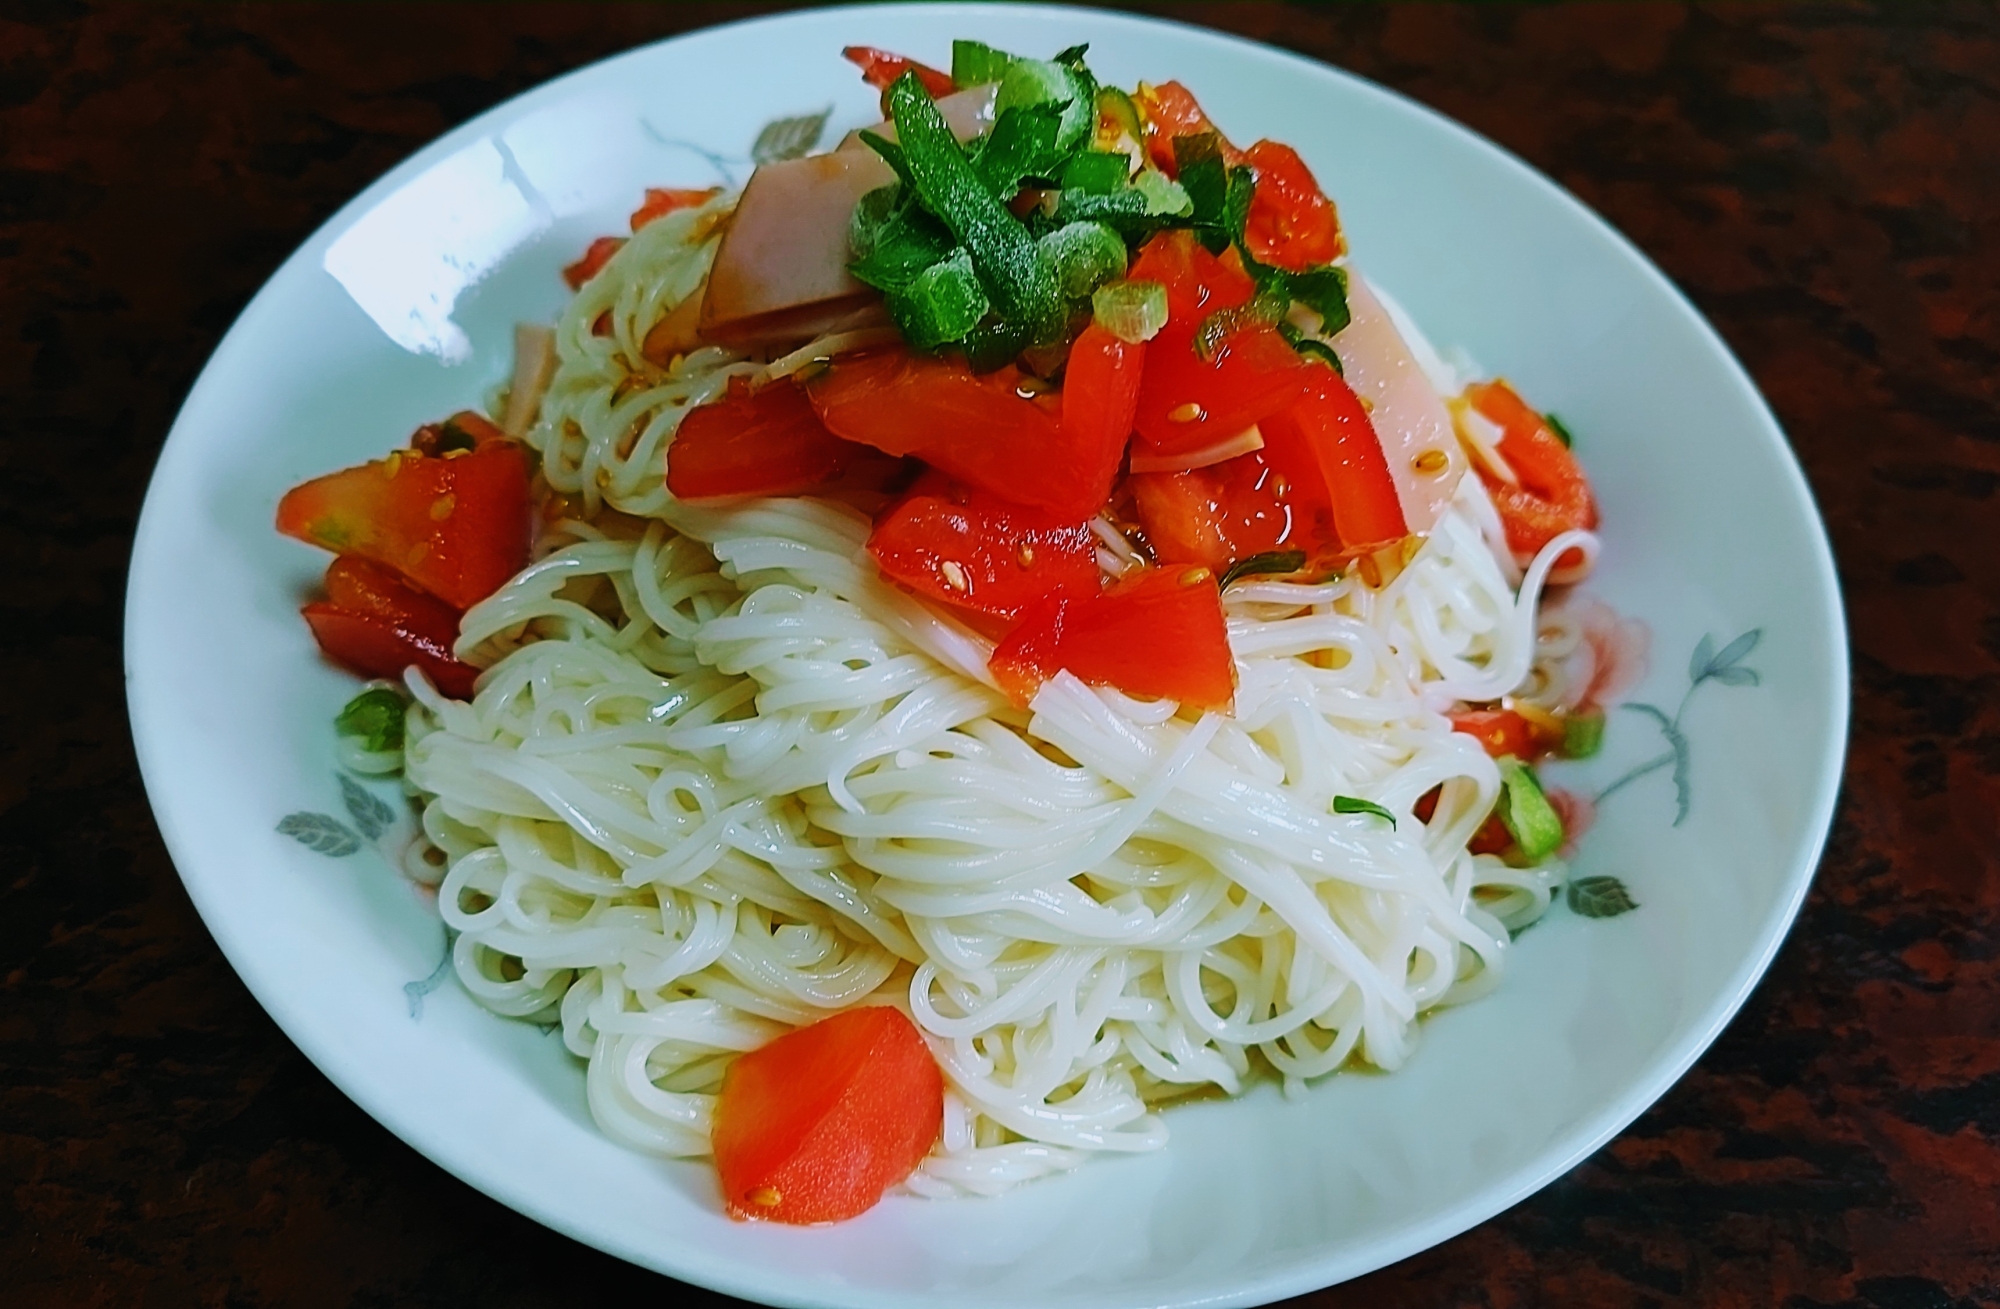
1823, 179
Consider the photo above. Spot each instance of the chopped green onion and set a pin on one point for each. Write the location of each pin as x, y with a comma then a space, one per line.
901, 249
974, 63
1072, 56
871, 213
1526, 812
1322, 290
1312, 348
1265, 307
1083, 256
1561, 430
1021, 145
1096, 172
1032, 82
375, 719
1117, 108
1347, 804
1163, 195
1130, 311
942, 305
993, 344
1268, 563
1583, 735
1022, 288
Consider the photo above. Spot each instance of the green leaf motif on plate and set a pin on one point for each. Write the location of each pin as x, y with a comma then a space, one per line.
1600, 897
321, 833
789, 138
367, 810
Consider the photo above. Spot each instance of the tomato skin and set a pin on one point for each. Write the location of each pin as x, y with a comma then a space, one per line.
763, 442
1250, 505
1330, 423
1187, 402
816, 1125
1002, 558
1100, 399
1554, 495
989, 431
1291, 223
1503, 732
377, 625
1170, 111
457, 525
595, 256
880, 69
1159, 633
664, 200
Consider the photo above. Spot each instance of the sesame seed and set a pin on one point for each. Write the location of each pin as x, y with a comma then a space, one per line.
442, 506
1280, 484
1026, 554
1431, 462
1187, 413
1195, 576
954, 575
765, 1197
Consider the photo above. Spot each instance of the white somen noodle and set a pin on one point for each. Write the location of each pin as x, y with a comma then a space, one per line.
720, 779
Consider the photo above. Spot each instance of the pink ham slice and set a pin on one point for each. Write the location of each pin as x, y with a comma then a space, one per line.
1410, 419
780, 273
967, 113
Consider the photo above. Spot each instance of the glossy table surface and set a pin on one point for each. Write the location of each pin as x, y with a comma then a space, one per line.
1822, 179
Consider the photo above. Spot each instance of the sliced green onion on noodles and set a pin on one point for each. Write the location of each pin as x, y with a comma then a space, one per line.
1130, 311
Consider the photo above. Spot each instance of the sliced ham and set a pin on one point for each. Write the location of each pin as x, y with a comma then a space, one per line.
1409, 417
780, 273
967, 113
786, 247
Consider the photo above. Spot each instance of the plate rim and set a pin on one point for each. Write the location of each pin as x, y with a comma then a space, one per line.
773, 1285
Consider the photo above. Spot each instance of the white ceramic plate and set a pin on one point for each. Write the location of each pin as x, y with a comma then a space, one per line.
400, 310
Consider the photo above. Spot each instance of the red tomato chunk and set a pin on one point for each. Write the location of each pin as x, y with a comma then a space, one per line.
1000, 432
1554, 495
972, 550
377, 625
1291, 223
456, 524
1159, 634
813, 1127
762, 442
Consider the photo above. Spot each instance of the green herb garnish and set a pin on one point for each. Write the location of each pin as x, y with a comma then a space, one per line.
1561, 430
974, 63
1271, 561
375, 718
1347, 804
1021, 287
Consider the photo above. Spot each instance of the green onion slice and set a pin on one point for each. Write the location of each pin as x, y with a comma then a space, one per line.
1083, 257
1526, 812
1130, 311
1583, 735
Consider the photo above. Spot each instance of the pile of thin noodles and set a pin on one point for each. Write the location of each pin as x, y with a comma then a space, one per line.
721, 779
